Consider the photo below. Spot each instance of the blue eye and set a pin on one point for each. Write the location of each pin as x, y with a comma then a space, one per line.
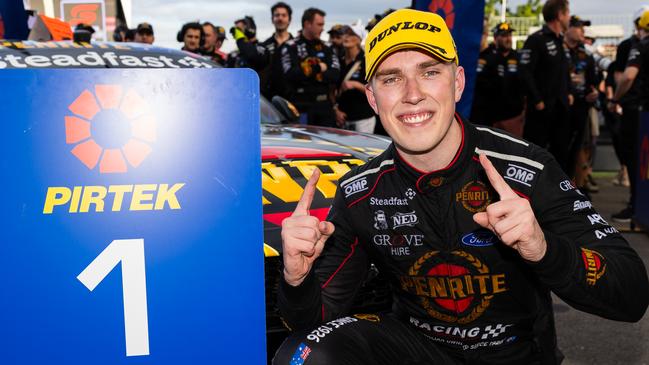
430, 73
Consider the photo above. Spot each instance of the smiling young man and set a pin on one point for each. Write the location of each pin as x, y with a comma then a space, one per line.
473, 227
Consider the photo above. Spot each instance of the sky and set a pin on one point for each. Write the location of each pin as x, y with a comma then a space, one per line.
167, 16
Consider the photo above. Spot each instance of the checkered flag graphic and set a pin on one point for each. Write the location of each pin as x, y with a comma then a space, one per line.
493, 332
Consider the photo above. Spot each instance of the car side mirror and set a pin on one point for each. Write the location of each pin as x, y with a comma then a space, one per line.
286, 108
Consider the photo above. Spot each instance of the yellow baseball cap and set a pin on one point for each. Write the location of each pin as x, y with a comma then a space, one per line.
408, 28
643, 22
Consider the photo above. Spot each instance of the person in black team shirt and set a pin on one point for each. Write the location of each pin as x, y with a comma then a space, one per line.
352, 110
631, 93
544, 71
473, 228
264, 57
583, 87
336, 34
311, 70
498, 97
244, 33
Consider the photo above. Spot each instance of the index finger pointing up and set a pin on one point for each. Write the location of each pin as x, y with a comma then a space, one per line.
304, 204
497, 181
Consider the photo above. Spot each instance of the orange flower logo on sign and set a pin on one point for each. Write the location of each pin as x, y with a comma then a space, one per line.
110, 128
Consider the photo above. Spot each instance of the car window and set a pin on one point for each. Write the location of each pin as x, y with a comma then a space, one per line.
268, 113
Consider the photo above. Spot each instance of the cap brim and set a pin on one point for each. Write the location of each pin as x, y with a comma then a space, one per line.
435, 51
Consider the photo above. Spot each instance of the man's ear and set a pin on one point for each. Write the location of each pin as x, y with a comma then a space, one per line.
459, 83
370, 97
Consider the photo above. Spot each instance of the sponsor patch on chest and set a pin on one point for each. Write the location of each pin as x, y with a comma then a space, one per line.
355, 187
520, 174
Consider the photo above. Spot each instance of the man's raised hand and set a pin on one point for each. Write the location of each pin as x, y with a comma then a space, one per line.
303, 236
511, 218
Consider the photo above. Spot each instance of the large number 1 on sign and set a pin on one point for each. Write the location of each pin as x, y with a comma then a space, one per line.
131, 254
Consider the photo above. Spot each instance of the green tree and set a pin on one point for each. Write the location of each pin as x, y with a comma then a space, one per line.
531, 9
490, 8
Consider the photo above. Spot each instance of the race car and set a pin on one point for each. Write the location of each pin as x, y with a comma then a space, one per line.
290, 152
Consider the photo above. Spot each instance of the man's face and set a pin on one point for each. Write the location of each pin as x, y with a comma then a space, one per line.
414, 95
350, 40
210, 37
192, 39
281, 19
336, 39
312, 30
575, 34
564, 19
504, 40
144, 37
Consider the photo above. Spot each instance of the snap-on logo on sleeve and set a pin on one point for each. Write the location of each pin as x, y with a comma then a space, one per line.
355, 187
519, 174
579, 205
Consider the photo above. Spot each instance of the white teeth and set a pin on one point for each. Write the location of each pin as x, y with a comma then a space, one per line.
417, 118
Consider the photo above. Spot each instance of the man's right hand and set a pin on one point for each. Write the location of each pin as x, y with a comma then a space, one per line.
540, 105
303, 236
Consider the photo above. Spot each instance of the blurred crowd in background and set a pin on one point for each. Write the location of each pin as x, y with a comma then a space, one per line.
555, 91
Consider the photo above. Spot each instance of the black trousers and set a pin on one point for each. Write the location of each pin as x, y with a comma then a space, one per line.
578, 123
550, 128
361, 340
630, 121
612, 121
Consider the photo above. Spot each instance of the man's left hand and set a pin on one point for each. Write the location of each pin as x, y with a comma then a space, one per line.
511, 218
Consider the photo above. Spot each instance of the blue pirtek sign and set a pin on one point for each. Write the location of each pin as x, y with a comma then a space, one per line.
131, 217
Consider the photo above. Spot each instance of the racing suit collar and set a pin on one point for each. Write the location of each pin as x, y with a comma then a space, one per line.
429, 181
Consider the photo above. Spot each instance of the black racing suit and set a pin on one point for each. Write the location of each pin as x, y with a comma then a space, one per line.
545, 76
307, 85
634, 102
470, 296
